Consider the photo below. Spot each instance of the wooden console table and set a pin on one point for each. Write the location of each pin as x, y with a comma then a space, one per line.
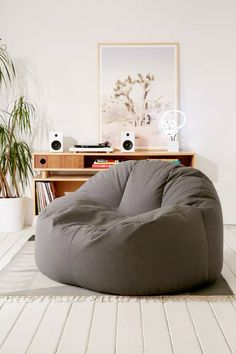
67, 171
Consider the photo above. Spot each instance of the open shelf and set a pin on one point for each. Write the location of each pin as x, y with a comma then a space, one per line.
66, 172
57, 178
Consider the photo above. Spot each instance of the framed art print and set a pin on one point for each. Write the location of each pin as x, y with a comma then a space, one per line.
137, 84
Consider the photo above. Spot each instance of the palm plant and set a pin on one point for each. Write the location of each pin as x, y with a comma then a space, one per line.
15, 155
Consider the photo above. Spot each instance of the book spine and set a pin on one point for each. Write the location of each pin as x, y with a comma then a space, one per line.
101, 165
37, 198
44, 202
45, 193
53, 191
40, 197
48, 192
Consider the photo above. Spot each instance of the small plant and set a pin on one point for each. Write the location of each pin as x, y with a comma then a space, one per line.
15, 123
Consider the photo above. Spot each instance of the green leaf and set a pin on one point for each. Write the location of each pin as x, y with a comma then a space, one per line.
7, 70
15, 154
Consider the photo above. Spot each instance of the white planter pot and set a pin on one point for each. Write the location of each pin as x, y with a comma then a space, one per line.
12, 212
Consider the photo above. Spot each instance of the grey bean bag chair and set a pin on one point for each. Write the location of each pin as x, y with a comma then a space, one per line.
140, 228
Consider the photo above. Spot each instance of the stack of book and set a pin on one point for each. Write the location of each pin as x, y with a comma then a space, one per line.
103, 163
45, 194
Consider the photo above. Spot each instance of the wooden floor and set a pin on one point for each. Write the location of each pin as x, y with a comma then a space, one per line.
116, 325
11, 243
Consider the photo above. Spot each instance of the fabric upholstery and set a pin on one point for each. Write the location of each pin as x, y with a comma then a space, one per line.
144, 227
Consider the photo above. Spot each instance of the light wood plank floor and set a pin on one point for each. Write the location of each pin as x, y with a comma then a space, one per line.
11, 243
116, 325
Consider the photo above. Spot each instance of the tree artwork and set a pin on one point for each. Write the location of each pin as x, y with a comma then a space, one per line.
137, 85
124, 89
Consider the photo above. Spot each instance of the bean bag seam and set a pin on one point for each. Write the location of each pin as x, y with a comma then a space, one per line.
123, 192
70, 258
149, 221
208, 252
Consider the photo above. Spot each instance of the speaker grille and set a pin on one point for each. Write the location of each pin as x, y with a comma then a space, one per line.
56, 145
127, 145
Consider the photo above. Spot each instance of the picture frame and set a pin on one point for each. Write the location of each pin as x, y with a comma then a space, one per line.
138, 82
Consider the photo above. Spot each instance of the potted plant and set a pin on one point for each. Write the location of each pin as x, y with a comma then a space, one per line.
15, 155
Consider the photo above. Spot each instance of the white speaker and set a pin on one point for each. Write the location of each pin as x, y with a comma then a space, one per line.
55, 142
127, 141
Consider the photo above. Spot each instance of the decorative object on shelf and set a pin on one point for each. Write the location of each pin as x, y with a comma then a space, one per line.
171, 125
15, 155
104, 163
55, 141
128, 141
101, 147
138, 82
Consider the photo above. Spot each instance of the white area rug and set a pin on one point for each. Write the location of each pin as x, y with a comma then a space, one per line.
22, 277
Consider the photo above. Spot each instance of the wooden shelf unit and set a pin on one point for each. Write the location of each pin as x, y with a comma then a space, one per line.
68, 170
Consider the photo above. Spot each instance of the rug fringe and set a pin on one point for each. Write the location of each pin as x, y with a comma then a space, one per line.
115, 298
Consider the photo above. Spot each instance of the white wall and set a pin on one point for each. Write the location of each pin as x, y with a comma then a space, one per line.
54, 44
